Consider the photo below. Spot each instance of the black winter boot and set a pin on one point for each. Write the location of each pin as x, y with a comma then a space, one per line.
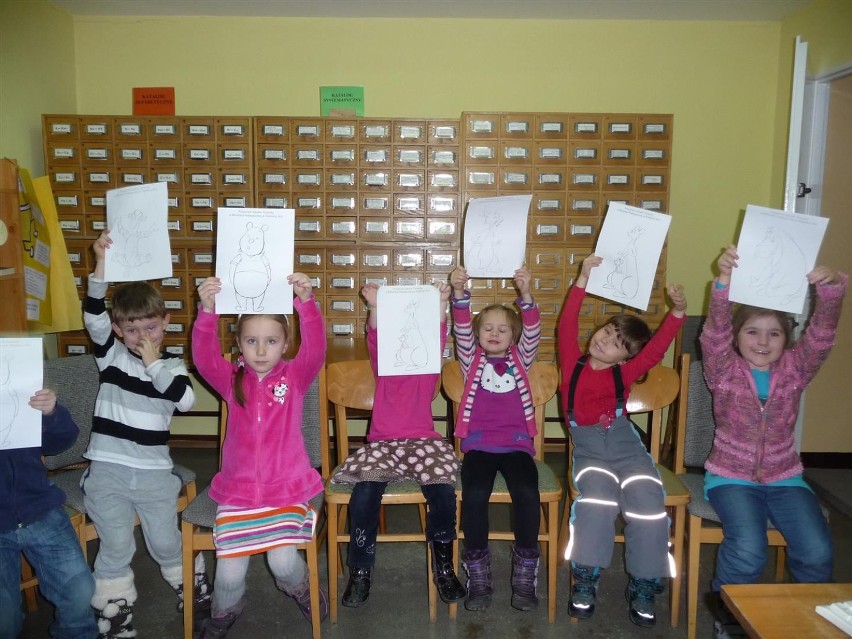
444, 574
202, 599
524, 578
583, 591
358, 589
640, 595
477, 564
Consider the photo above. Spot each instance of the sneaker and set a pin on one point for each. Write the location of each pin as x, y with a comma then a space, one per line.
303, 599
640, 594
217, 627
358, 589
115, 621
584, 591
725, 625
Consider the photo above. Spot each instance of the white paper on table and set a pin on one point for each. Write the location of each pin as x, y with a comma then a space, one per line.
137, 219
409, 330
630, 243
254, 256
21, 375
495, 235
776, 251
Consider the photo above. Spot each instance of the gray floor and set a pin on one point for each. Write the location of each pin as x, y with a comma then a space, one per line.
397, 606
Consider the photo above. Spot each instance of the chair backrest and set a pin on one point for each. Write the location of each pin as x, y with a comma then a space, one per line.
75, 380
697, 425
351, 385
314, 426
659, 390
544, 380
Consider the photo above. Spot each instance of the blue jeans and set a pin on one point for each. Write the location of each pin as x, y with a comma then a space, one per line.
65, 580
365, 504
794, 511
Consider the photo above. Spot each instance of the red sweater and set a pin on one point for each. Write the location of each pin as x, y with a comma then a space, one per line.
594, 399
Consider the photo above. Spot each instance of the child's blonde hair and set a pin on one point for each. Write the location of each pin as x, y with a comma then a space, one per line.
239, 394
511, 316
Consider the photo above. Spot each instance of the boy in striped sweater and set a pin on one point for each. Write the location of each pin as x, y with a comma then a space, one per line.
131, 471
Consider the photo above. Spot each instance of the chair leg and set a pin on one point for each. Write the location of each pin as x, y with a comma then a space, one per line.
780, 557
432, 589
313, 583
30, 590
186, 531
552, 558
563, 529
332, 548
694, 536
677, 582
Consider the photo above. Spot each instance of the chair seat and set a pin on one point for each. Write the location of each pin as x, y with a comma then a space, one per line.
201, 511
69, 482
548, 483
677, 493
337, 493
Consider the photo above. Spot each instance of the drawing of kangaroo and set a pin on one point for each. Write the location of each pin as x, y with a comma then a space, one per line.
624, 277
412, 353
250, 269
777, 258
9, 402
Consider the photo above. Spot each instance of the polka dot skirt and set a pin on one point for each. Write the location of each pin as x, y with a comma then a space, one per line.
426, 461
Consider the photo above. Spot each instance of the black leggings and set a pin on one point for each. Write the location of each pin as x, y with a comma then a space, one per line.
478, 472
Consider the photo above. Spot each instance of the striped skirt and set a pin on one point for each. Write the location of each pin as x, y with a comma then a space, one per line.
249, 531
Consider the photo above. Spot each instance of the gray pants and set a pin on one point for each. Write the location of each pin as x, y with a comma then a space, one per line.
614, 473
113, 495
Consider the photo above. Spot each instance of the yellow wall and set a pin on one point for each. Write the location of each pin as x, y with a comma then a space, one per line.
727, 84
36, 76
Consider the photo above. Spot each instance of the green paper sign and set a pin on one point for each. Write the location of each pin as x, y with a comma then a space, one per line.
342, 101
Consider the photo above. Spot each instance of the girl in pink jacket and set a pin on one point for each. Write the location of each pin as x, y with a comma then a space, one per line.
754, 474
266, 479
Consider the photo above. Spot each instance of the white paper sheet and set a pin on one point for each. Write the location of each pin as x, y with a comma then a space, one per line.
776, 251
630, 243
409, 330
20, 377
254, 256
495, 235
137, 219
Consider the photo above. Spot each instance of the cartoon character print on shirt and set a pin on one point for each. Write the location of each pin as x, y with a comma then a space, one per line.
498, 377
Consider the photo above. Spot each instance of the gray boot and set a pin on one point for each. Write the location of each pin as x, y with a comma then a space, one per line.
477, 564
524, 578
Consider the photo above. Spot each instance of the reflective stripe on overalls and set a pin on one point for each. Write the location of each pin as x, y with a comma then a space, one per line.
613, 471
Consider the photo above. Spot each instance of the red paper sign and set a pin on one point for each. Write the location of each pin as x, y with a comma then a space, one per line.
153, 100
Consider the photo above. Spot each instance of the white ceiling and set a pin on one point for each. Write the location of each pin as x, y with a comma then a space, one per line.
736, 10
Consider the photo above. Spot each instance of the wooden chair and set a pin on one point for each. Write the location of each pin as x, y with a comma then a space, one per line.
694, 441
29, 582
658, 392
75, 380
351, 385
198, 518
544, 380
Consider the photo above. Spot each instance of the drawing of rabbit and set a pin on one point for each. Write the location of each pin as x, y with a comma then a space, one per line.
412, 353
624, 277
133, 230
483, 251
250, 271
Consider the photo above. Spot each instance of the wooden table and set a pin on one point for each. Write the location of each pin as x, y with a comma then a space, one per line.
770, 611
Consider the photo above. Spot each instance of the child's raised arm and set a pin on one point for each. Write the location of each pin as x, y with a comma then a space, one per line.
823, 275
589, 263
727, 262
44, 400
100, 247
370, 293
458, 281
207, 291
444, 290
678, 299
302, 286
523, 280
